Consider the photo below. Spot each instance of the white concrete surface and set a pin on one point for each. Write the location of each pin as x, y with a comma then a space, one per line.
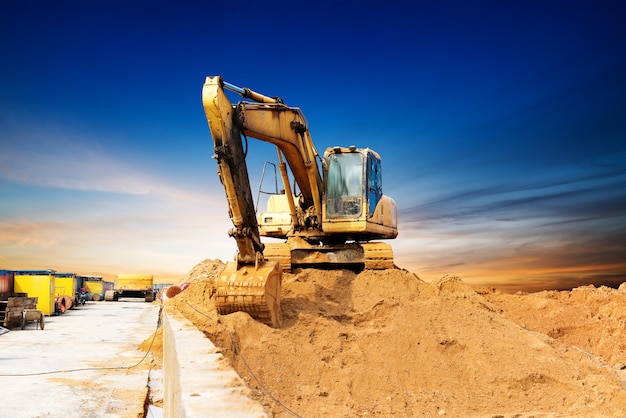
41, 370
197, 382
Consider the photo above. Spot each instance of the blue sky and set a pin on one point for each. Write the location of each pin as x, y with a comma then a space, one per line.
501, 125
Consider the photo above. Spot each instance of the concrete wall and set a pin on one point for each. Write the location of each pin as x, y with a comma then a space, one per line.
196, 383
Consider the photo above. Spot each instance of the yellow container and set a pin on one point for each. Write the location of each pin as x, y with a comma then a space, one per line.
40, 285
65, 285
94, 287
140, 282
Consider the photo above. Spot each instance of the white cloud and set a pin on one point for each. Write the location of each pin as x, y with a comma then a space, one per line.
107, 212
71, 165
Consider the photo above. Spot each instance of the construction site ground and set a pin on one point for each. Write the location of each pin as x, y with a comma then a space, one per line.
385, 343
378, 343
84, 363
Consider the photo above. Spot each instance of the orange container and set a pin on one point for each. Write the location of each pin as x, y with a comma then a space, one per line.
6, 281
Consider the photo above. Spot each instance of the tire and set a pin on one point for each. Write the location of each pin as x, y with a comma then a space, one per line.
42, 321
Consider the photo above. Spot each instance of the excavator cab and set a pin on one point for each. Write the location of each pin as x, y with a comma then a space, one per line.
354, 203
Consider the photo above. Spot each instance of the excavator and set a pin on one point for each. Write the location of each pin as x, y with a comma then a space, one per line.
328, 219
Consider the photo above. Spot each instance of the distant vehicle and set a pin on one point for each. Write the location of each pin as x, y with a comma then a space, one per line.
131, 286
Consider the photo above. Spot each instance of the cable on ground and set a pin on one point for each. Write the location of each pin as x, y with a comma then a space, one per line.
83, 369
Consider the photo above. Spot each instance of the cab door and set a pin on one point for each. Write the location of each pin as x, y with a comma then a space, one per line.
374, 183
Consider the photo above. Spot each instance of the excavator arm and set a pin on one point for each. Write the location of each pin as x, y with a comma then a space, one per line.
270, 120
286, 128
233, 172
250, 283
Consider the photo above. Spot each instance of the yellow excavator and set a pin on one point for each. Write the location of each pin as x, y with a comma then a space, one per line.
328, 219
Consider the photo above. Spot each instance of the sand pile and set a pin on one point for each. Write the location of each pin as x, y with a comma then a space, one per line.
591, 318
386, 343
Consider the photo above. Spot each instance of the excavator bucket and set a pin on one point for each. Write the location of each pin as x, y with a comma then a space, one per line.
255, 290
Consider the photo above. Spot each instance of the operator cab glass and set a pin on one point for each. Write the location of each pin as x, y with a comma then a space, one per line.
352, 179
344, 194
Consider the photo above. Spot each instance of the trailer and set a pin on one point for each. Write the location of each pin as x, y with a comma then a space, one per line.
17, 309
131, 286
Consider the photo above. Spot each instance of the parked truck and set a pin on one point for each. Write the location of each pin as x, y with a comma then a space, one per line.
131, 286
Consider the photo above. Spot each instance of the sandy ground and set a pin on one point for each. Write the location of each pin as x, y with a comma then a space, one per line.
385, 343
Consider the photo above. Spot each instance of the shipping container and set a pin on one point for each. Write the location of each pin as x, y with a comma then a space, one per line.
38, 284
96, 286
65, 284
65, 290
6, 281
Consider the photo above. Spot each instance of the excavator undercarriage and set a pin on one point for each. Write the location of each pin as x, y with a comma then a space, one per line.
297, 253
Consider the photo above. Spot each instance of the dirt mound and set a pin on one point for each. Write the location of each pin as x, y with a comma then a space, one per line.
591, 318
386, 343
207, 269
